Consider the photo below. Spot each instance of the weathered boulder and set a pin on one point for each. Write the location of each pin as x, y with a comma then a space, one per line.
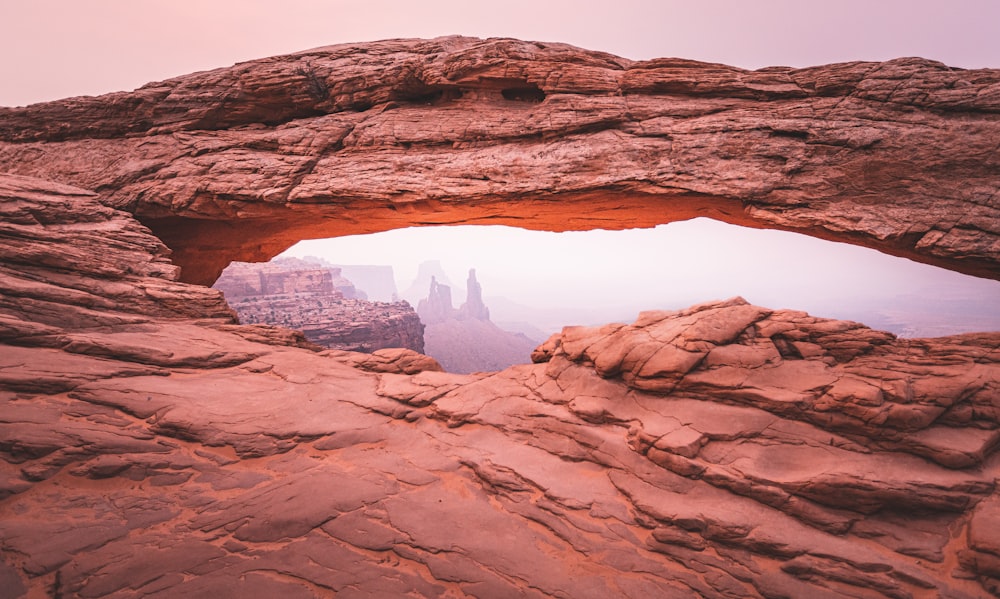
239, 163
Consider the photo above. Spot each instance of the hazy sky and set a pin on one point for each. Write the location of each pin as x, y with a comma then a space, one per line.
51, 49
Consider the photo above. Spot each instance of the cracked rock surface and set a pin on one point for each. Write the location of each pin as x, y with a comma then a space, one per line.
153, 447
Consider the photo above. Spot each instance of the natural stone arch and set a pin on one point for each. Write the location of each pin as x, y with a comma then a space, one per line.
238, 163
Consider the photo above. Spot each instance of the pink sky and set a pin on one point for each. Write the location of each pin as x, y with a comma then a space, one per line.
51, 49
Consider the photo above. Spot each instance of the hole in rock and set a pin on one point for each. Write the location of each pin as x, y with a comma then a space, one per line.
526, 93
349, 292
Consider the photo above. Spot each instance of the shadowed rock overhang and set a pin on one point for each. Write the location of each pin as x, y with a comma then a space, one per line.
239, 163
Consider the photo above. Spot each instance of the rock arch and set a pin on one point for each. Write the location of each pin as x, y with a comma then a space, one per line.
239, 163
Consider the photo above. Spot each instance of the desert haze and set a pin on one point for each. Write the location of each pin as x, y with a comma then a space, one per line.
551, 280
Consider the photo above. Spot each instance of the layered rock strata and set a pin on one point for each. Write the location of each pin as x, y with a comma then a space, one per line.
151, 448
320, 303
241, 280
239, 163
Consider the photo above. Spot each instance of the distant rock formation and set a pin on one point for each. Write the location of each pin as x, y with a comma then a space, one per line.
321, 303
473, 307
427, 271
373, 282
437, 306
465, 340
470, 345
284, 276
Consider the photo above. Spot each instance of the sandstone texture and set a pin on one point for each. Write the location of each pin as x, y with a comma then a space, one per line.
241, 162
283, 276
464, 339
321, 303
151, 447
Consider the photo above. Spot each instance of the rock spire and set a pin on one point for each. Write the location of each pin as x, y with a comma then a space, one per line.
473, 306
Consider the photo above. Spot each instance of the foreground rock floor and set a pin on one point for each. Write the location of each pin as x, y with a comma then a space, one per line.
152, 447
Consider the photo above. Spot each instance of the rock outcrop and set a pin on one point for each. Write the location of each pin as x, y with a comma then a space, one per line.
428, 272
319, 302
437, 306
241, 280
473, 308
152, 447
237, 164
465, 340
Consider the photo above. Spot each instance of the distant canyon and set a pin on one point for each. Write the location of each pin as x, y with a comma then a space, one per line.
312, 295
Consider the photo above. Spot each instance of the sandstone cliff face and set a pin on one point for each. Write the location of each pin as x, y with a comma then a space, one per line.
899, 156
242, 280
727, 450
301, 296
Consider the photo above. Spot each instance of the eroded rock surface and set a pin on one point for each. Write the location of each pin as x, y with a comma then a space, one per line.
152, 447
239, 163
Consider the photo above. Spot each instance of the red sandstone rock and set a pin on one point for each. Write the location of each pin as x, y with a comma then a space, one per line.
178, 456
398, 360
239, 163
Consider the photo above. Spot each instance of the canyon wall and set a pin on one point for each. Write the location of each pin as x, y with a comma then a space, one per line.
320, 303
